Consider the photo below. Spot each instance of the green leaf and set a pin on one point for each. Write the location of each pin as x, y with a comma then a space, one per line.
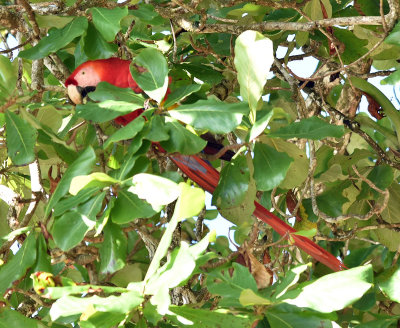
56, 39
97, 179
156, 190
289, 280
157, 131
190, 203
82, 165
107, 21
335, 291
215, 116
285, 315
231, 287
204, 318
181, 93
94, 46
260, 125
8, 75
358, 256
270, 166
203, 72
392, 79
310, 128
181, 140
69, 305
106, 91
178, 268
113, 249
391, 286
394, 36
69, 230
150, 71
147, 13
129, 207
18, 265
69, 203
21, 139
254, 56
106, 110
13, 318
233, 184
58, 292
354, 47
127, 132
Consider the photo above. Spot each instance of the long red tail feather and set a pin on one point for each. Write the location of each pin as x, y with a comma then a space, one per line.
207, 177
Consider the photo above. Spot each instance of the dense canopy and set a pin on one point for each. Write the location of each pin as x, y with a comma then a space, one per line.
103, 219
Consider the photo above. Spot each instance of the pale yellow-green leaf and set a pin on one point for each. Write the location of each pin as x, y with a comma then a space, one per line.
248, 297
253, 59
86, 181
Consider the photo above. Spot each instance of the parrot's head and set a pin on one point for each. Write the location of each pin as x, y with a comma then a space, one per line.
83, 80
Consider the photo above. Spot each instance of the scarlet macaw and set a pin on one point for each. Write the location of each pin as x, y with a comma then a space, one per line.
116, 71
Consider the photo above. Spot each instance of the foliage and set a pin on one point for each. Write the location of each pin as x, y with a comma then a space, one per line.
97, 227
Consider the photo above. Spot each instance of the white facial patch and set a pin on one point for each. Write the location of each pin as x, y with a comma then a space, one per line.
74, 94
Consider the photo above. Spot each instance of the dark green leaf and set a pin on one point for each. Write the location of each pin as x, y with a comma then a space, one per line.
8, 75
158, 130
129, 207
17, 266
107, 21
310, 128
105, 91
181, 93
270, 166
354, 47
69, 230
203, 72
358, 256
182, 140
230, 287
215, 116
106, 110
113, 250
71, 202
13, 318
211, 319
285, 315
150, 71
127, 132
148, 14
331, 201
233, 184
21, 139
56, 39
394, 36
81, 166
95, 47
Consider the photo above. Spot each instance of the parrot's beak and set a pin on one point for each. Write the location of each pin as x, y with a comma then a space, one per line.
77, 94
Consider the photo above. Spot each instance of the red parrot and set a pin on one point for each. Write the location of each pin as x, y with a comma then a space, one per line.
116, 71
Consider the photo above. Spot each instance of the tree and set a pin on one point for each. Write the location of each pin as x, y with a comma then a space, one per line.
99, 228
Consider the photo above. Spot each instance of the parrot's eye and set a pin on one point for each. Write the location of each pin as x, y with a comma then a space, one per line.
83, 73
